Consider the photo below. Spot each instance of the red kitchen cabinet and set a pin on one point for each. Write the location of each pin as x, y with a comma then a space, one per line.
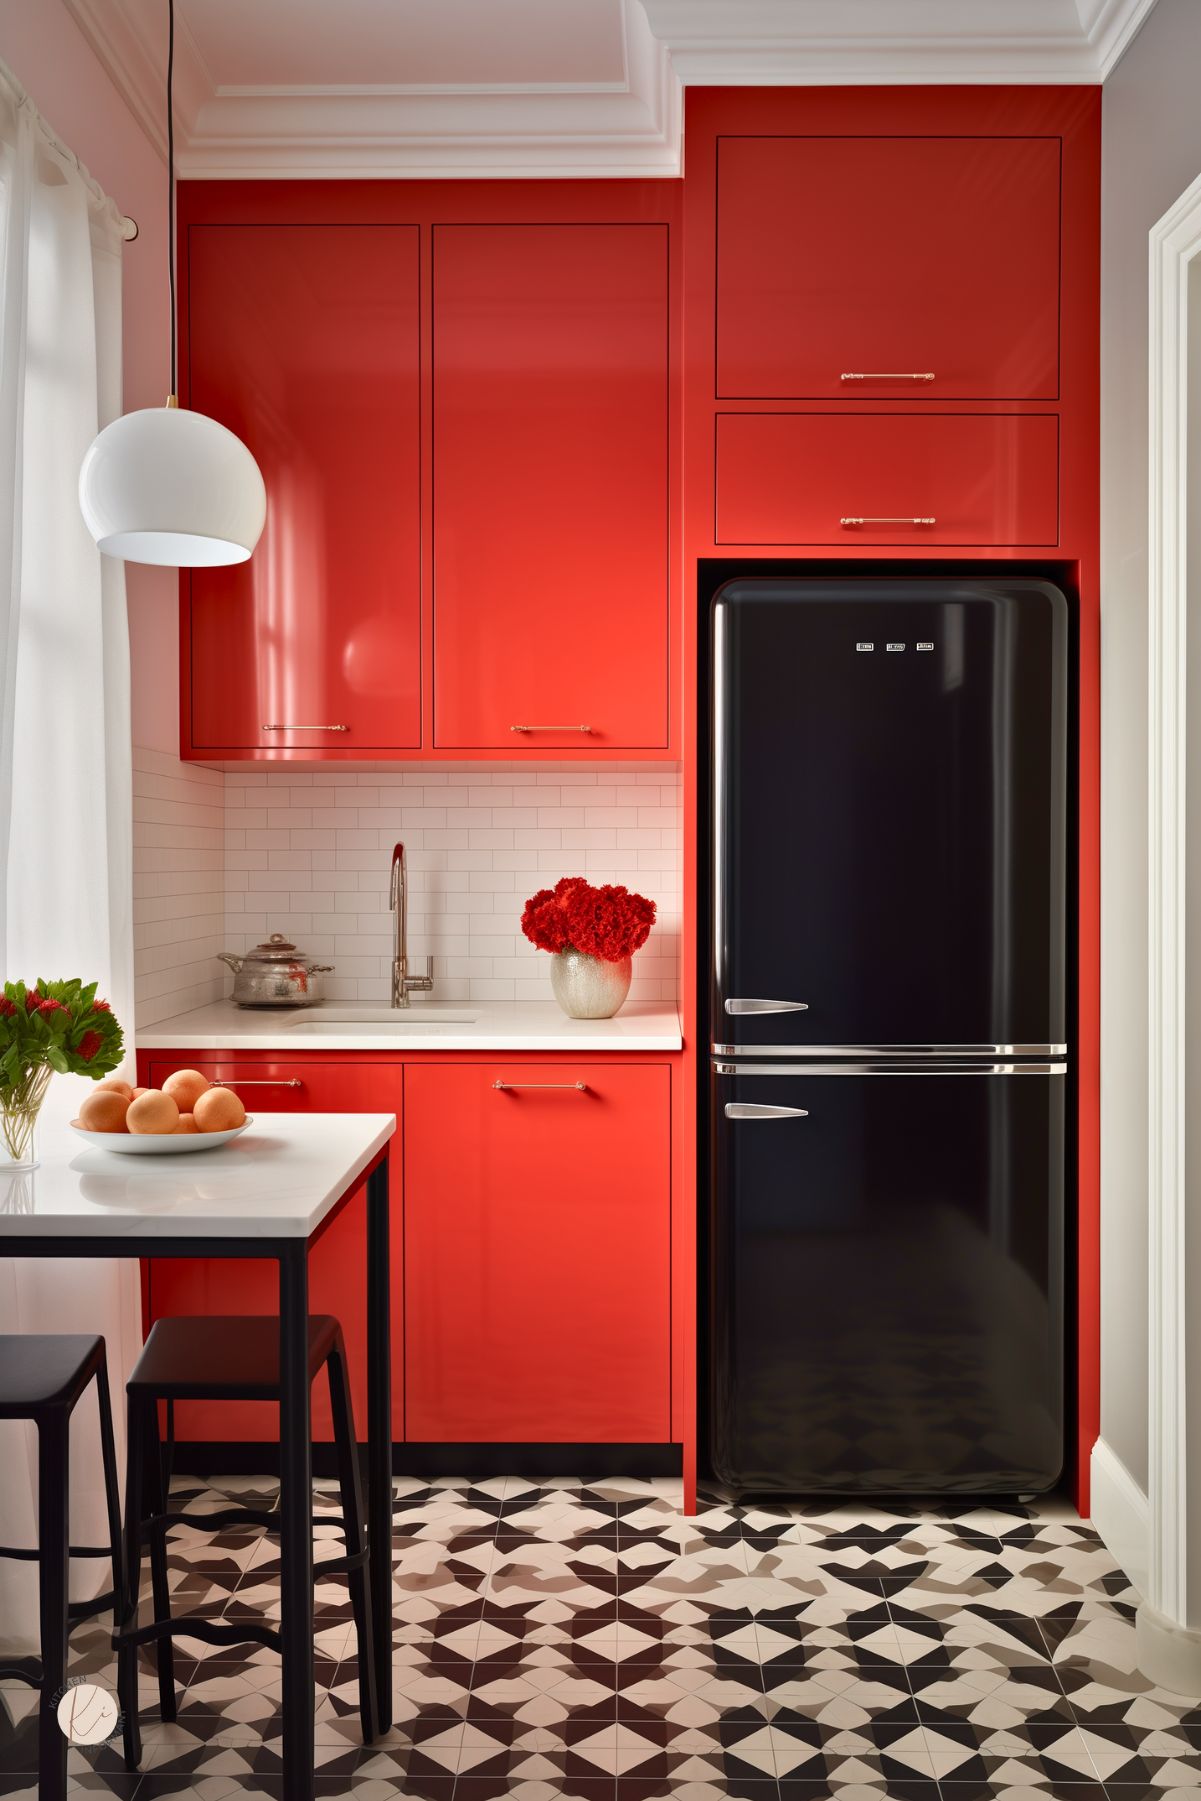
860, 479
337, 1263
304, 340
550, 473
537, 1251
888, 258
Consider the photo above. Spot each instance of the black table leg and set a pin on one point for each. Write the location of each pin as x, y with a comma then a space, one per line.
379, 1434
53, 1565
296, 1524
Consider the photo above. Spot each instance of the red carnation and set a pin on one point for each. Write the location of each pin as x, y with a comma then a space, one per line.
607, 922
101, 1007
7, 1008
543, 923
51, 1006
89, 1044
32, 1000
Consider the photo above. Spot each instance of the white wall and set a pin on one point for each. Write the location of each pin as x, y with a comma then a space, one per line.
1151, 151
46, 51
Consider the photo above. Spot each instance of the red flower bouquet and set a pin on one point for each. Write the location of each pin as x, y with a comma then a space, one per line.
592, 934
46, 1027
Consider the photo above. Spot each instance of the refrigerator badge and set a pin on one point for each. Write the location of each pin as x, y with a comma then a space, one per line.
923, 646
894, 647
865, 647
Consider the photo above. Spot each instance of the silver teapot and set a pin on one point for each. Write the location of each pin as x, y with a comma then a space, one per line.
275, 974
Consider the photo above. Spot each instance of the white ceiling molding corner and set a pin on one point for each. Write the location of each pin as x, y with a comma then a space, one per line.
232, 122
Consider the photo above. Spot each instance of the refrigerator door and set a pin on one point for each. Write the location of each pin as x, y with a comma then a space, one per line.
889, 790
887, 1278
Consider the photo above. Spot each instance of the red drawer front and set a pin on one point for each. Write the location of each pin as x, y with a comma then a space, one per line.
337, 1263
538, 1252
888, 257
902, 478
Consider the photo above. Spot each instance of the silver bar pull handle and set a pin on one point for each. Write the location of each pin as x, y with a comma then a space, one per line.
305, 728
752, 1006
257, 1082
581, 1086
752, 1110
550, 728
850, 519
887, 375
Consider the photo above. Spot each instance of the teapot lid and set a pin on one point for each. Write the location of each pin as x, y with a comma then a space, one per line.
276, 949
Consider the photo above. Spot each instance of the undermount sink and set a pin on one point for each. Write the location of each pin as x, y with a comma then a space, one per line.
380, 1019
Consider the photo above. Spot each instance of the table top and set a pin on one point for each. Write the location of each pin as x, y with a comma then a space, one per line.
278, 1179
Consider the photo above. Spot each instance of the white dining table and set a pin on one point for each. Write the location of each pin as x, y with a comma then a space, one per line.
269, 1193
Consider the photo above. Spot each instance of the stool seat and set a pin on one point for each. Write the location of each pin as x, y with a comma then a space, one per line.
218, 1357
40, 1369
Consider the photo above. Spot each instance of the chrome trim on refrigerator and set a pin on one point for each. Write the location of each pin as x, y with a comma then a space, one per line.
888, 1050
889, 1069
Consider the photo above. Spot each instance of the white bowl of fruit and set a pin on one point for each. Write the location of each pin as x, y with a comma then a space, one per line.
188, 1113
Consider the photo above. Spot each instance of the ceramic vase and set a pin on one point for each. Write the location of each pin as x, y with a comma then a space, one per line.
587, 987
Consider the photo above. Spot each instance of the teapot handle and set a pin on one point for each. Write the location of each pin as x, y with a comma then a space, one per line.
319, 969
235, 963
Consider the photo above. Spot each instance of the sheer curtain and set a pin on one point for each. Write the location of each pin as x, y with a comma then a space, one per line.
65, 813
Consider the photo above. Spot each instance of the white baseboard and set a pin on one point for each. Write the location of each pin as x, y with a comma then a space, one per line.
1121, 1514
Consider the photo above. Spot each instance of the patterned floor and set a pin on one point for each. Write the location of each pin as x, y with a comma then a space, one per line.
589, 1641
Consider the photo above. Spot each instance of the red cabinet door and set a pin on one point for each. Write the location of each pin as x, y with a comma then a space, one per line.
303, 339
337, 1262
887, 478
537, 1251
550, 486
888, 258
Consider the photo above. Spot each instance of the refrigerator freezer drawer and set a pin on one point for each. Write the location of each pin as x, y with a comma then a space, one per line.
887, 1278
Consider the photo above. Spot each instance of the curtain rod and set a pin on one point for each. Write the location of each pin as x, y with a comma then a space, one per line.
128, 228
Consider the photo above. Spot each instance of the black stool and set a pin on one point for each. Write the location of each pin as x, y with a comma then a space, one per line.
41, 1379
224, 1358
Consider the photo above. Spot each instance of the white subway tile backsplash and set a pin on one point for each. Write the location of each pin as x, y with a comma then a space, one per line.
223, 858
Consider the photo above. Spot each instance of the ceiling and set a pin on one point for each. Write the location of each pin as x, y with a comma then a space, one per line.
542, 87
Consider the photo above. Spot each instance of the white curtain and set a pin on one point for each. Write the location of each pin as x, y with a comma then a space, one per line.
65, 812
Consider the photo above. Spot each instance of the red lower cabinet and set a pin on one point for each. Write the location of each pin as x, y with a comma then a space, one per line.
537, 1253
337, 1263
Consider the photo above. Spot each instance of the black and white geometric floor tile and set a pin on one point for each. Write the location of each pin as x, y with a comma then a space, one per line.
587, 1640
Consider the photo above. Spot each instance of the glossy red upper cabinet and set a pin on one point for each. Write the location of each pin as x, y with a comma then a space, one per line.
303, 339
550, 348
908, 268
538, 1253
859, 479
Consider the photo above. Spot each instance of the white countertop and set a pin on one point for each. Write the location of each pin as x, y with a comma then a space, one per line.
431, 1026
278, 1179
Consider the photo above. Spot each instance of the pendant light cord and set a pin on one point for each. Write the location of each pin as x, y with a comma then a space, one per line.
171, 184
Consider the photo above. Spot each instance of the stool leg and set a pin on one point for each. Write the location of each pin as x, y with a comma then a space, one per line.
53, 1566
127, 1656
164, 1650
350, 1489
112, 1494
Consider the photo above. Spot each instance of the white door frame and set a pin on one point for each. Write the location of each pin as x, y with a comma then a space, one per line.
1175, 243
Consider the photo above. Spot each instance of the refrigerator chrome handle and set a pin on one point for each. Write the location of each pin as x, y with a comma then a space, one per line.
753, 1110
753, 1006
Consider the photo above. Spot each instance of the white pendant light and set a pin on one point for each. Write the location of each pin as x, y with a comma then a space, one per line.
167, 485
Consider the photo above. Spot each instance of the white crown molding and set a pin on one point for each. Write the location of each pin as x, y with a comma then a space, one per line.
835, 42
625, 128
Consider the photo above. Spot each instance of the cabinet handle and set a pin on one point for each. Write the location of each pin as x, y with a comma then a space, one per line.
887, 519
582, 1086
305, 728
887, 375
257, 1082
550, 728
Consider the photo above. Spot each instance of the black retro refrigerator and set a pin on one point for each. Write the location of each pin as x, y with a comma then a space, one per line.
889, 1035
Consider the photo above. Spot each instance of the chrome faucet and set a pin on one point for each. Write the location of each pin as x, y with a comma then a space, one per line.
403, 984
